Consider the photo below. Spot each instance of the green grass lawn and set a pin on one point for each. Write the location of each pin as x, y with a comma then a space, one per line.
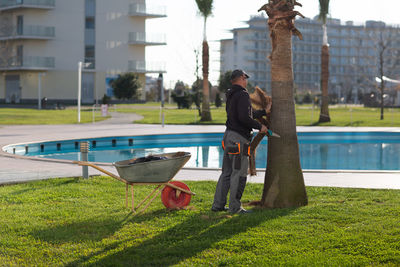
305, 116
76, 222
19, 116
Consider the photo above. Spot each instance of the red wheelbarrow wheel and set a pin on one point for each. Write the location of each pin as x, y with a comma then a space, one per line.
173, 199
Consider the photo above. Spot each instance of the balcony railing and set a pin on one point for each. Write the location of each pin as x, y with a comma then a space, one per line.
141, 9
92, 62
13, 4
146, 38
28, 63
29, 32
146, 67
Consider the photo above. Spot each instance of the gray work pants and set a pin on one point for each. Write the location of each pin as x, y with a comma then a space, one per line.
232, 177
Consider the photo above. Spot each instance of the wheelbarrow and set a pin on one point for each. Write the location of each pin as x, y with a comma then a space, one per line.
159, 172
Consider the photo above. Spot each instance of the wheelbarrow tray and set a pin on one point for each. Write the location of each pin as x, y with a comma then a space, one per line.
156, 171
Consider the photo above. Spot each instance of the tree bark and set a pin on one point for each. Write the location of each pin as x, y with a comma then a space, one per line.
324, 115
284, 183
205, 111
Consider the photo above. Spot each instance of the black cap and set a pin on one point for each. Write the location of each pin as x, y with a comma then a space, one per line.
237, 73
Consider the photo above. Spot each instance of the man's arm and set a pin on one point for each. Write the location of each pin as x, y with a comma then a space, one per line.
259, 113
244, 113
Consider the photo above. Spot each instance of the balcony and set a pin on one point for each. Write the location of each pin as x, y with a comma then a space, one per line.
142, 38
17, 4
28, 32
92, 64
146, 67
142, 10
28, 63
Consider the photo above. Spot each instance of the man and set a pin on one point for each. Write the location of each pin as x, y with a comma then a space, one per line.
238, 134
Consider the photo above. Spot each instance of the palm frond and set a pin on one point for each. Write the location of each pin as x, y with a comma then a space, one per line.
205, 7
323, 10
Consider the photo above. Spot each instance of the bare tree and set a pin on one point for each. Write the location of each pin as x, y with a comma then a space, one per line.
384, 57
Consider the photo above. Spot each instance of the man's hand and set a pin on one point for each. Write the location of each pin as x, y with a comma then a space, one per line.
264, 129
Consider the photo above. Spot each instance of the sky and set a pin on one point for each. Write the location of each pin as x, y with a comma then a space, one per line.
183, 27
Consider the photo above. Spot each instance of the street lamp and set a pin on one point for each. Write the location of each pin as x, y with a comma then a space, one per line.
40, 74
80, 65
160, 82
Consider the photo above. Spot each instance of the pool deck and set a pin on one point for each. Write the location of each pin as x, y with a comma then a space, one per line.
17, 169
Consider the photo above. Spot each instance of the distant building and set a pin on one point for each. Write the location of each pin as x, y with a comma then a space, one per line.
354, 52
42, 41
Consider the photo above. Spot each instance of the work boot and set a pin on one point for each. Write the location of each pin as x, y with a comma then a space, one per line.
243, 211
219, 209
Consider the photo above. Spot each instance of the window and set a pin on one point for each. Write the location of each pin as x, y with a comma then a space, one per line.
89, 23
20, 25
90, 8
89, 51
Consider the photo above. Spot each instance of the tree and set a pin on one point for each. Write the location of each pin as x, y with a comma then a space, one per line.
180, 88
383, 60
197, 90
323, 13
197, 95
284, 183
388, 60
181, 95
205, 8
126, 86
224, 82
218, 102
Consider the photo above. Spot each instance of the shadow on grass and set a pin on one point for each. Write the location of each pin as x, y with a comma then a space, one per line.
182, 241
45, 184
92, 230
354, 123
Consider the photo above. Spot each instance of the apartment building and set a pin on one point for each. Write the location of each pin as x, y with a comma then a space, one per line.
42, 42
354, 54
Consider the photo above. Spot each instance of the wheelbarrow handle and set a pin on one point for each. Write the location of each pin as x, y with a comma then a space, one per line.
181, 189
85, 163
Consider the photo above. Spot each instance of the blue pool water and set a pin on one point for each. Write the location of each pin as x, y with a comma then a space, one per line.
318, 150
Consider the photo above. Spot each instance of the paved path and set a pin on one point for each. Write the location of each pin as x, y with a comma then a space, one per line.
121, 118
14, 169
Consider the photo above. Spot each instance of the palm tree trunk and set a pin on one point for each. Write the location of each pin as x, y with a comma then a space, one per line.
324, 115
382, 89
284, 182
205, 111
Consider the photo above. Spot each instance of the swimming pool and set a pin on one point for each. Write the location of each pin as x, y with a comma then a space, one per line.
318, 150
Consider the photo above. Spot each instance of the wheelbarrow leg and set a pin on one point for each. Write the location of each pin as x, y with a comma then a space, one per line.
156, 195
149, 195
126, 195
133, 199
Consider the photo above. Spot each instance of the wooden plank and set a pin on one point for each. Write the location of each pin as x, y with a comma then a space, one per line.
126, 196
148, 204
85, 163
180, 189
149, 195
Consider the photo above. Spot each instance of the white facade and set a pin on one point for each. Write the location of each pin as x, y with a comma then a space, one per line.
50, 37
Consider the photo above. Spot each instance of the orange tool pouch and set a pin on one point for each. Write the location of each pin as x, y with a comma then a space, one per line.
237, 149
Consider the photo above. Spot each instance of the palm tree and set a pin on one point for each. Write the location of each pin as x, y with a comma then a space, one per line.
284, 182
323, 13
205, 8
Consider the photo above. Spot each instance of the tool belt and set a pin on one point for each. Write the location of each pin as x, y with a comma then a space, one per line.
238, 149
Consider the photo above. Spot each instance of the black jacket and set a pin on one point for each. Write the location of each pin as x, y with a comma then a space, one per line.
239, 112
